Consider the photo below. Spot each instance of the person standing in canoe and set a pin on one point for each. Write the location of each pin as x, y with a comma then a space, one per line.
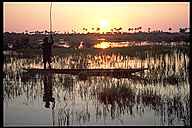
47, 51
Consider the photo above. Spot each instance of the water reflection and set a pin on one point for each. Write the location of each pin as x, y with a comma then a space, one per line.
47, 96
48, 93
160, 93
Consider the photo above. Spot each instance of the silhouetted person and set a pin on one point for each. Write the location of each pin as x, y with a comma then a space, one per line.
48, 95
47, 51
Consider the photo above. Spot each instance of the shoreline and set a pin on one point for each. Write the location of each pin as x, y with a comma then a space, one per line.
131, 50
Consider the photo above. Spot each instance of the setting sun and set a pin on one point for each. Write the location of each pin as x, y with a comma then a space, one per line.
103, 23
68, 16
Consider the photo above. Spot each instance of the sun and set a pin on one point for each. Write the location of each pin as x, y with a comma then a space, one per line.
103, 23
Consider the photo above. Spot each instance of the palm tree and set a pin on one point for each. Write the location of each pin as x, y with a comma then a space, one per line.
140, 28
129, 29
41, 32
183, 30
170, 29
135, 29
46, 32
132, 29
119, 29
111, 31
85, 29
149, 29
31, 32
26, 31
98, 29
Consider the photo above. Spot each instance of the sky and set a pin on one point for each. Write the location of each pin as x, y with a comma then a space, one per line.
33, 16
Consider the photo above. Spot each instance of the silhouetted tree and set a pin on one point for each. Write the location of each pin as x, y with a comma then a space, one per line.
135, 29
149, 29
129, 29
140, 28
98, 29
46, 32
170, 29
31, 32
183, 30
26, 31
119, 29
85, 29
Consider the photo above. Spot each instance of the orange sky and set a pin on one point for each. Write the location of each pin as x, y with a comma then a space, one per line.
31, 16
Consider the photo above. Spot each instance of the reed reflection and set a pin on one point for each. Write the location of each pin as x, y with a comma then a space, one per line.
163, 89
125, 100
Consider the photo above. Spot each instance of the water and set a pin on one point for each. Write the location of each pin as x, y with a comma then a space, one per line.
157, 96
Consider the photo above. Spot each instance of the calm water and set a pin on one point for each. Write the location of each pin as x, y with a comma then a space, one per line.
157, 96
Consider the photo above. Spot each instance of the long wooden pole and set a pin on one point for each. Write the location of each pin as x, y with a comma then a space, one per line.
50, 19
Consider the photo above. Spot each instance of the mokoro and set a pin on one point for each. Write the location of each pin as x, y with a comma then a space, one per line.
92, 72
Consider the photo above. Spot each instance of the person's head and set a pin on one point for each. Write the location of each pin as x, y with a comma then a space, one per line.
45, 39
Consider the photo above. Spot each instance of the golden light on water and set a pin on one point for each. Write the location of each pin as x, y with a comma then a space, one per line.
119, 45
101, 39
103, 45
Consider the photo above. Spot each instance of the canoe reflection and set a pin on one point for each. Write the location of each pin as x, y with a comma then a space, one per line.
83, 74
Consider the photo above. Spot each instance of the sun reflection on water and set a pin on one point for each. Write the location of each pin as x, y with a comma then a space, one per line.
104, 45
